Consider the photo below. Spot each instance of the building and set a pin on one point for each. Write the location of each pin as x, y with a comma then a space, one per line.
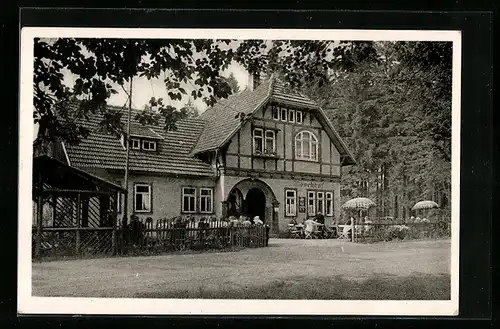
264, 151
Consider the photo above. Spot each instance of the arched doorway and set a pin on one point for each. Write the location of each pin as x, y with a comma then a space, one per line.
235, 203
258, 199
255, 203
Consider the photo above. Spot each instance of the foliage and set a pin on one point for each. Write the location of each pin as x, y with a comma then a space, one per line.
233, 83
196, 65
390, 101
393, 109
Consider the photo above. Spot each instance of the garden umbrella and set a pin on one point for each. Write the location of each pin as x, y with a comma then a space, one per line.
358, 204
426, 204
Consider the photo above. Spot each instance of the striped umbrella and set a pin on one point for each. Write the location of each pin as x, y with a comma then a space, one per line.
359, 204
426, 204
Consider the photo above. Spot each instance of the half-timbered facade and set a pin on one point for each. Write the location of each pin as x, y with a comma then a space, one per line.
265, 151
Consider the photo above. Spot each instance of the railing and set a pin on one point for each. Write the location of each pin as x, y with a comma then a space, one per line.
140, 238
157, 240
72, 241
375, 232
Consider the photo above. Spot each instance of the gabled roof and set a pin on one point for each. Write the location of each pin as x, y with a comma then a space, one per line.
223, 122
139, 130
103, 151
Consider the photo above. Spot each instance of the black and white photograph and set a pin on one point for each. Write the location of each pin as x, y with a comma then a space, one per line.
185, 171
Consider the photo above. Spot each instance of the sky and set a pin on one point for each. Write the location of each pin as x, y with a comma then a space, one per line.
143, 89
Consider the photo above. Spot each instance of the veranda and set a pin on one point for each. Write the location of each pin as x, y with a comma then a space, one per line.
75, 212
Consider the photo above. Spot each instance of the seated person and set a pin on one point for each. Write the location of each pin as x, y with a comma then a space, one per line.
293, 222
321, 220
310, 225
246, 222
257, 221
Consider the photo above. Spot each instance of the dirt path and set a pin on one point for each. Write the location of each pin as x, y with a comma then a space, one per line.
284, 259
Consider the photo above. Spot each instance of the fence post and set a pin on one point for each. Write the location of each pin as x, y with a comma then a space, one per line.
38, 237
353, 231
78, 205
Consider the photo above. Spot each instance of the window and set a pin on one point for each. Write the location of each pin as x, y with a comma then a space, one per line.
329, 203
142, 198
148, 145
291, 115
290, 203
135, 144
311, 203
306, 146
298, 118
188, 199
320, 199
276, 112
258, 140
206, 200
283, 114
270, 141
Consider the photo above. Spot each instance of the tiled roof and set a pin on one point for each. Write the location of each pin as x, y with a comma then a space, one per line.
222, 119
139, 130
104, 151
286, 96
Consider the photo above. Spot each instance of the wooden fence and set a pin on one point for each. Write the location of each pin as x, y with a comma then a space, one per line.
71, 241
375, 232
145, 237
169, 235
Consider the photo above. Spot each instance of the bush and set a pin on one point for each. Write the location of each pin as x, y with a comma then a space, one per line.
396, 232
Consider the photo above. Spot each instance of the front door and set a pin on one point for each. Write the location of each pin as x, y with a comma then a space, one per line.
255, 204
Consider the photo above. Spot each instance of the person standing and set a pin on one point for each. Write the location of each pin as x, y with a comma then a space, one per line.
321, 220
267, 234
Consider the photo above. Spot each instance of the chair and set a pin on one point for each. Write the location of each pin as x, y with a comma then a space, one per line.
293, 232
310, 229
345, 232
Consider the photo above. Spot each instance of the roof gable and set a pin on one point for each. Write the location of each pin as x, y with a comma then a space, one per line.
223, 118
223, 122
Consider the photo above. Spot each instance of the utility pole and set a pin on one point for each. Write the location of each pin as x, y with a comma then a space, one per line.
127, 143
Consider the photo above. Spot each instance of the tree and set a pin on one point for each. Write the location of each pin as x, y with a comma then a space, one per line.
393, 109
96, 63
190, 110
233, 83
99, 62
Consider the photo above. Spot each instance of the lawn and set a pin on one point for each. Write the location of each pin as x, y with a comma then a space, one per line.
287, 269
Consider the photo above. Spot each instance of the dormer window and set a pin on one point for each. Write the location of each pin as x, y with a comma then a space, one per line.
283, 114
148, 145
276, 112
135, 144
298, 117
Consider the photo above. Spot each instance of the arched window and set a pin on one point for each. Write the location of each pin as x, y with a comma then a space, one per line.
306, 146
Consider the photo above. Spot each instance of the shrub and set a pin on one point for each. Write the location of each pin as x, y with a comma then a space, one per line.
396, 232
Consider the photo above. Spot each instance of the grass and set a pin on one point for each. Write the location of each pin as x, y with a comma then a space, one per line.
421, 287
287, 269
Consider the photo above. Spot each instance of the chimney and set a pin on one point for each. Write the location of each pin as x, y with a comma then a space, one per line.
254, 80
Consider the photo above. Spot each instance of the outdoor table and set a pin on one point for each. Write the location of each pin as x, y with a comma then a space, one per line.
300, 227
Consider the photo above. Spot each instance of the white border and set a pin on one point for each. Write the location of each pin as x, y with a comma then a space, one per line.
58, 305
